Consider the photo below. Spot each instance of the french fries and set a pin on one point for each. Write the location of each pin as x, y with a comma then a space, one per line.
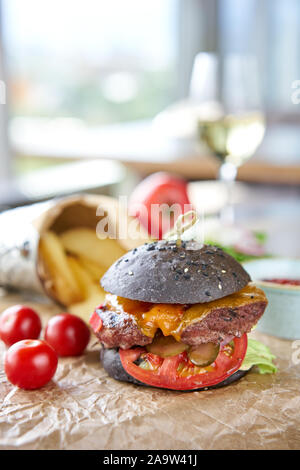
84, 242
95, 270
74, 262
94, 294
85, 309
63, 281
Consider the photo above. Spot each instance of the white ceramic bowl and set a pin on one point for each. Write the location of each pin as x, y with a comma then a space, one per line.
282, 315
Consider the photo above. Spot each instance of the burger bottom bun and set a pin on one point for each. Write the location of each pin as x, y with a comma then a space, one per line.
112, 364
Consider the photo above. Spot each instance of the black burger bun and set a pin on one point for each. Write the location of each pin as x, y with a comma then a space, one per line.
112, 364
162, 272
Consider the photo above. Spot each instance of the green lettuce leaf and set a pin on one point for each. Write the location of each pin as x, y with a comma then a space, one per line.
240, 257
259, 355
261, 237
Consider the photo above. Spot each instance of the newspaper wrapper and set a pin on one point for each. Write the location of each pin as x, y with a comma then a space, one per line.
21, 266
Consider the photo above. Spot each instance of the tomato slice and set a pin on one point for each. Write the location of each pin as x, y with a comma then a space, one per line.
95, 321
178, 372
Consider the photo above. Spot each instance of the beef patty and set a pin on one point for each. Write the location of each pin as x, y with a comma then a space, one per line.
200, 323
120, 330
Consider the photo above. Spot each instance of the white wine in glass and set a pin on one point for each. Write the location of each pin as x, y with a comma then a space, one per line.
231, 122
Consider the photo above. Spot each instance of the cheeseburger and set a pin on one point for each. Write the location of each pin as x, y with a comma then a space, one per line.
176, 316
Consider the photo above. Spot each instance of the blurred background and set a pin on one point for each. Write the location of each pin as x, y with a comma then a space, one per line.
99, 94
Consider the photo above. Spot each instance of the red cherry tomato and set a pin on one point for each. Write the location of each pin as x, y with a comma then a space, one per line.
17, 323
151, 200
30, 363
67, 334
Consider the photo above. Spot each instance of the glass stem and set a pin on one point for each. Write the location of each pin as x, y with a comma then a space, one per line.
227, 175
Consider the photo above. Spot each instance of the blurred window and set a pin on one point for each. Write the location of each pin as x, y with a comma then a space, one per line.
97, 60
112, 61
270, 30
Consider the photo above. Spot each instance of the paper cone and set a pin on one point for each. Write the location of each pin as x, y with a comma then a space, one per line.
21, 230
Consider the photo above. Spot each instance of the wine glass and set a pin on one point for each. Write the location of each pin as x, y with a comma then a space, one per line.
230, 118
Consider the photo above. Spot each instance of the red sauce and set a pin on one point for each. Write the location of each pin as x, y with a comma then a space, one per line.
289, 282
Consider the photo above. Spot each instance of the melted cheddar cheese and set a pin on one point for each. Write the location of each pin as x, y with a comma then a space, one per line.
171, 319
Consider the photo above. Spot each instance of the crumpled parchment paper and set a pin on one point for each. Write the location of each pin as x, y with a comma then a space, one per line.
82, 408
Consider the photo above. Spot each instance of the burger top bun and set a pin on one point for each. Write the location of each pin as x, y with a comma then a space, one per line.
163, 272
